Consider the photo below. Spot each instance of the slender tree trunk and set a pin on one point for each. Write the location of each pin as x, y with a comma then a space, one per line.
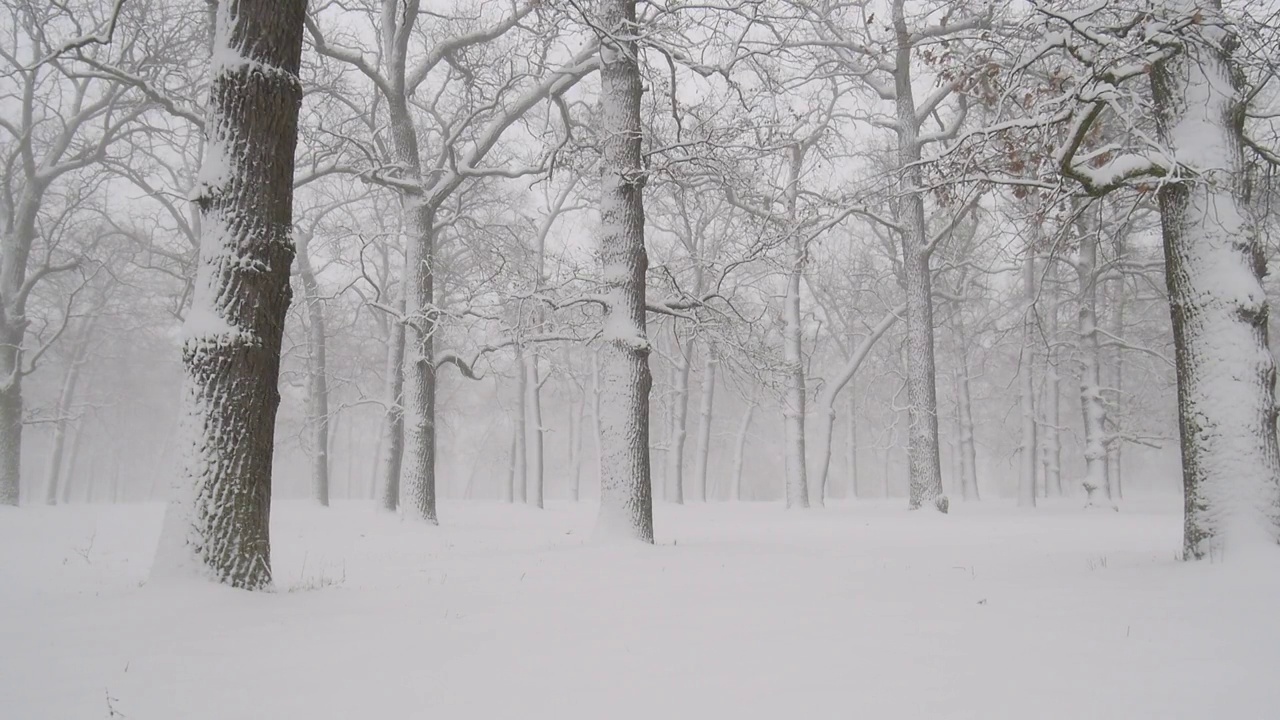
740, 451
218, 523
393, 419
626, 499
317, 371
1115, 447
11, 406
795, 395
1214, 265
1092, 407
62, 422
577, 419
1052, 410
851, 444
703, 451
679, 421
1026, 379
520, 461
533, 429
69, 480
923, 463
508, 491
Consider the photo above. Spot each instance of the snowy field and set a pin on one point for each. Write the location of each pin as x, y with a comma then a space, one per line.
741, 611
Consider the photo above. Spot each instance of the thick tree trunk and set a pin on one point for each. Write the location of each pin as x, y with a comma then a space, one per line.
1214, 266
218, 522
679, 421
317, 375
1092, 407
1026, 383
923, 463
740, 452
393, 419
418, 473
705, 415
11, 409
626, 499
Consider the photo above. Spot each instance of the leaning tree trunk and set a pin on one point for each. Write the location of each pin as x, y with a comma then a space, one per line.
218, 519
1214, 265
1026, 383
318, 375
1092, 407
679, 420
393, 418
923, 462
626, 497
703, 451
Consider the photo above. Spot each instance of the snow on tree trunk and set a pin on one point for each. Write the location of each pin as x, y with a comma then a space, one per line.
794, 395
520, 458
1092, 407
1115, 447
740, 452
968, 450
826, 404
851, 444
10, 414
577, 419
626, 499
1051, 412
317, 375
53, 472
418, 473
1214, 265
923, 462
393, 418
533, 428
217, 524
705, 415
679, 421
508, 490
1026, 382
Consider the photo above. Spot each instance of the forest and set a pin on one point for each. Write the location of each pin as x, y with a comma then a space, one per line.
734, 358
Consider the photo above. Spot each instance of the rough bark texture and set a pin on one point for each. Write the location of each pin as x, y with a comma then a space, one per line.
393, 418
1051, 411
317, 375
218, 523
1092, 407
923, 462
1214, 265
626, 500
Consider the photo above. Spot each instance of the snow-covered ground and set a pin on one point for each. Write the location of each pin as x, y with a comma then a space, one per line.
741, 611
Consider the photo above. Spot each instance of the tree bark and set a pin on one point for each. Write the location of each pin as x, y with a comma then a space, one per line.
1026, 381
703, 451
520, 460
679, 420
740, 451
851, 444
923, 462
534, 436
66, 398
1092, 407
1052, 410
317, 374
1214, 265
218, 522
626, 497
393, 418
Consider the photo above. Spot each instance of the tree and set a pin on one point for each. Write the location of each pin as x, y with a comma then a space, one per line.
626, 495
217, 524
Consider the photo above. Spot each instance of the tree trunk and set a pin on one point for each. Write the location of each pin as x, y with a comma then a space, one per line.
826, 412
795, 395
851, 444
533, 429
393, 419
508, 491
577, 419
740, 452
11, 406
1214, 265
703, 451
66, 398
679, 420
1092, 407
924, 465
626, 499
1026, 380
317, 375
1115, 447
520, 460
218, 522
1052, 410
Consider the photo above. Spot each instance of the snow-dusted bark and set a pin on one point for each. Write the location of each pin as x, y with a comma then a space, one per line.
851, 443
626, 500
11, 405
217, 522
393, 418
1092, 406
923, 462
795, 394
534, 436
705, 415
317, 374
966, 447
1027, 387
577, 420
826, 401
1051, 409
678, 431
740, 452
520, 457
1115, 381
61, 424
1214, 265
